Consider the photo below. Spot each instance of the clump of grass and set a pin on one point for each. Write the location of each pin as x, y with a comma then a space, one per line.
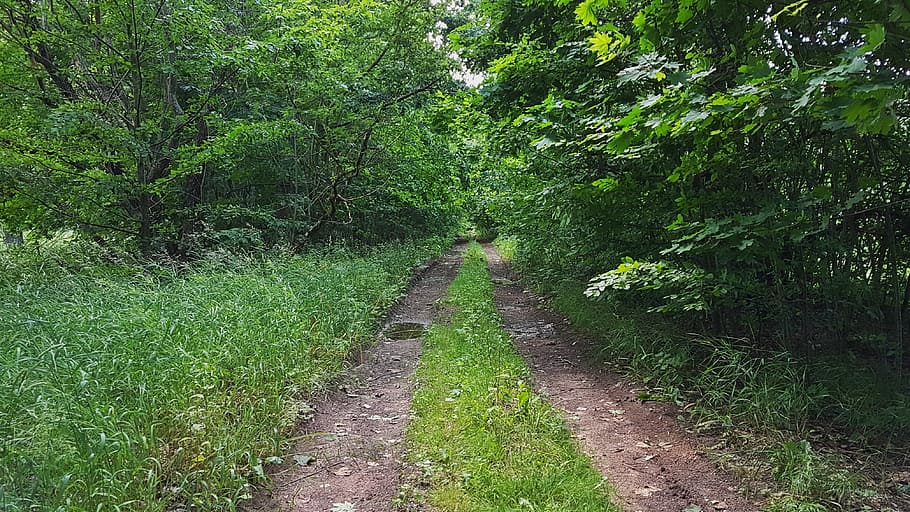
123, 387
811, 483
485, 441
507, 247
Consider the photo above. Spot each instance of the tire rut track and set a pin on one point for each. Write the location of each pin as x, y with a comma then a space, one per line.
645, 454
356, 435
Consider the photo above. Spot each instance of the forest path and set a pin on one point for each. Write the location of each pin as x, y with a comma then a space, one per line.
651, 461
351, 453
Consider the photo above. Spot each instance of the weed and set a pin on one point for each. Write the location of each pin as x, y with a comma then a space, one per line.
726, 382
507, 247
808, 479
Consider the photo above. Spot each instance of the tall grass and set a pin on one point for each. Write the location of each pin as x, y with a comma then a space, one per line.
135, 389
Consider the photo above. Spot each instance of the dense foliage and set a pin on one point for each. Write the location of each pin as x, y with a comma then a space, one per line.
740, 164
136, 388
182, 124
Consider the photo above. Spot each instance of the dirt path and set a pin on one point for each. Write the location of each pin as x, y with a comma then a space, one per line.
639, 446
355, 436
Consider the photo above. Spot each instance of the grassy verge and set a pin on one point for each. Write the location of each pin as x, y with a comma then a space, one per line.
485, 441
127, 388
729, 387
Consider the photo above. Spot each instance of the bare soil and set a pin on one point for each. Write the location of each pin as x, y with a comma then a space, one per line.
653, 464
351, 452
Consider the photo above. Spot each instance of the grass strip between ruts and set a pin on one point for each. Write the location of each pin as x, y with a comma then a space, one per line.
485, 440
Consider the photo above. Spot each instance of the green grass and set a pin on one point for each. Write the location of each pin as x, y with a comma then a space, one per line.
808, 478
486, 442
507, 247
726, 382
134, 388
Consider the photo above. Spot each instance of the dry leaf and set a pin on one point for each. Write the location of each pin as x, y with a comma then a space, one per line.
343, 471
647, 491
303, 460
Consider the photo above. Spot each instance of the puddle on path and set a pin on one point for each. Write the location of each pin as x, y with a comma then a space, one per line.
404, 331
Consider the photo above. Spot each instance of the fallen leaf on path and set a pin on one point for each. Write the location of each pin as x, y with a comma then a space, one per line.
665, 446
692, 508
719, 505
647, 491
642, 444
617, 412
303, 460
343, 507
343, 471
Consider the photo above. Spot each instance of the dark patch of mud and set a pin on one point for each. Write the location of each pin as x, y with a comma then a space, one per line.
405, 330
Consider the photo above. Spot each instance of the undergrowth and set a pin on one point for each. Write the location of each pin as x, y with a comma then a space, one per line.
484, 440
725, 383
142, 388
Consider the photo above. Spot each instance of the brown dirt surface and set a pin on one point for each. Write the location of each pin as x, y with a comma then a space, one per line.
350, 455
653, 464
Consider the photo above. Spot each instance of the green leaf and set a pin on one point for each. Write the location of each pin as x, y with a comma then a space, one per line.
607, 46
875, 36
304, 460
621, 142
640, 20
585, 13
685, 14
606, 184
793, 9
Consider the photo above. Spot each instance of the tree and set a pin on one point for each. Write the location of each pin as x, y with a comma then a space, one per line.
188, 123
748, 155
